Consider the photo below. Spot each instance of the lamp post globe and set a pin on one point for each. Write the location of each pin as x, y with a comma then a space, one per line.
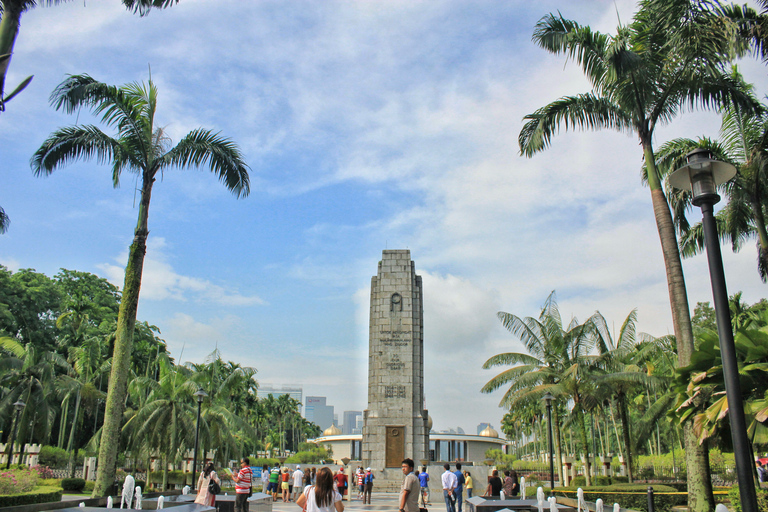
701, 176
18, 406
200, 395
547, 399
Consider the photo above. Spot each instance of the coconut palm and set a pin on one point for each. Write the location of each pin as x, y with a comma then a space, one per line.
5, 222
640, 79
558, 361
142, 148
166, 421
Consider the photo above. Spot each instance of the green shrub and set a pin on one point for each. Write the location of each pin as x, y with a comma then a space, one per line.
73, 484
260, 463
89, 485
578, 481
735, 499
16, 481
40, 494
53, 457
175, 477
619, 480
601, 481
632, 496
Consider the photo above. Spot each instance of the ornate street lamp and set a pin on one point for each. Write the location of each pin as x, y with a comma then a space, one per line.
200, 394
701, 176
19, 406
547, 399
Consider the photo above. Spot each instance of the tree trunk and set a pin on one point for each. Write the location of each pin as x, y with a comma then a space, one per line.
624, 418
584, 445
700, 497
9, 29
558, 447
121, 356
70, 447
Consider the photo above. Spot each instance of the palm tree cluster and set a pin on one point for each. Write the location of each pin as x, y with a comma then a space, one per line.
56, 337
623, 392
674, 55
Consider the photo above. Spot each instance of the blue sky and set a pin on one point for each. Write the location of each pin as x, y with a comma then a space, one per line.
368, 125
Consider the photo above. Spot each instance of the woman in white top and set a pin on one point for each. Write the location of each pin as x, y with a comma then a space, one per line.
203, 496
321, 497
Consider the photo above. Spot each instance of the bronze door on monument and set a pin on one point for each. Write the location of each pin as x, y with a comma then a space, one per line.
395, 452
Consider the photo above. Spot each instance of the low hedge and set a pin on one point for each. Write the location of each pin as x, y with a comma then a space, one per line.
762, 499
40, 494
73, 484
634, 496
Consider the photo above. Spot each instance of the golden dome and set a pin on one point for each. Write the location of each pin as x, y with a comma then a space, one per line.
333, 430
489, 432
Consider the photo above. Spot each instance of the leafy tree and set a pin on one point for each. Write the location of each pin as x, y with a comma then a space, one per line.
5, 222
142, 148
641, 77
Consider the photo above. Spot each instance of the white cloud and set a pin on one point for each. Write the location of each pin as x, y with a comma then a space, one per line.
160, 281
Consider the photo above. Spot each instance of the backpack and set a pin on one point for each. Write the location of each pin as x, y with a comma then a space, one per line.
368, 478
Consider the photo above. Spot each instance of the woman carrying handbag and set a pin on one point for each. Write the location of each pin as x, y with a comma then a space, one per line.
204, 487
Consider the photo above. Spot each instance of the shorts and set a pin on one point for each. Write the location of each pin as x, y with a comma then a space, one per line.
285, 486
272, 487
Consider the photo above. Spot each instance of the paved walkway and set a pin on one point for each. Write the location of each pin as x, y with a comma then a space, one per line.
380, 501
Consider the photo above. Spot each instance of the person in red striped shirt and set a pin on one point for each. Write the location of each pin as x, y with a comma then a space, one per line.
243, 485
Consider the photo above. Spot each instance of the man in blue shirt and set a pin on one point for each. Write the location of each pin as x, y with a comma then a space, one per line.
459, 486
424, 483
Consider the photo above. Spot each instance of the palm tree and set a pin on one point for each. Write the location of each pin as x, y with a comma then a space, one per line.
10, 21
5, 222
744, 143
87, 364
557, 362
640, 80
144, 149
166, 421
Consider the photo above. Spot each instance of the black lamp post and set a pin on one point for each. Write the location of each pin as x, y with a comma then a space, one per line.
701, 176
548, 400
200, 394
19, 406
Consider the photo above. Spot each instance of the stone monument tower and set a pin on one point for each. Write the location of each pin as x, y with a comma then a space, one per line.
395, 420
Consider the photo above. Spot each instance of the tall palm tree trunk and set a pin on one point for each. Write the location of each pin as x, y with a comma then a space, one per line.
558, 447
621, 401
70, 444
9, 29
121, 356
584, 445
700, 497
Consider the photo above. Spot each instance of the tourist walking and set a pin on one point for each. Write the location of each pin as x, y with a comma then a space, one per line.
424, 486
242, 485
494, 484
359, 476
298, 477
284, 477
321, 497
410, 491
341, 482
206, 477
274, 482
368, 480
468, 483
264, 478
449, 488
459, 486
